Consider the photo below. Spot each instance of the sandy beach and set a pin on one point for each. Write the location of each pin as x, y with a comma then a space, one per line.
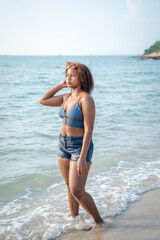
141, 221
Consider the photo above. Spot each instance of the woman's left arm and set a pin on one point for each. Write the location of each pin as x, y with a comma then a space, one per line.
88, 110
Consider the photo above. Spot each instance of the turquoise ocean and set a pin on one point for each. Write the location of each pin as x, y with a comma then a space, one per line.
126, 161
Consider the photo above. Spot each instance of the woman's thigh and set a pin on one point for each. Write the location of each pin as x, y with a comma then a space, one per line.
76, 182
64, 165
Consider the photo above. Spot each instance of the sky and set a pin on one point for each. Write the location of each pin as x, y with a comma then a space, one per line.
79, 27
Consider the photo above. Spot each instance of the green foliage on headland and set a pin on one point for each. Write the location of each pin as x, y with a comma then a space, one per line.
153, 48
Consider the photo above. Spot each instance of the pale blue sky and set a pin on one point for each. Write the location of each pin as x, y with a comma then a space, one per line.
79, 27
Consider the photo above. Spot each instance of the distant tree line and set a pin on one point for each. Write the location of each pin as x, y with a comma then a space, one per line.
153, 48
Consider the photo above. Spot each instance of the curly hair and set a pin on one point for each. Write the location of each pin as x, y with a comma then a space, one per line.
84, 76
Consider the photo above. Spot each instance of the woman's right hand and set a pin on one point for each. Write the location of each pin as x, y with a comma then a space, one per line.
49, 99
64, 84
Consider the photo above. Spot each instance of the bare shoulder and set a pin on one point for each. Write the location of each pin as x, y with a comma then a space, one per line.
87, 102
87, 99
65, 96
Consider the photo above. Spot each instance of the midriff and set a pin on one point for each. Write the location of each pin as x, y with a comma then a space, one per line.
71, 131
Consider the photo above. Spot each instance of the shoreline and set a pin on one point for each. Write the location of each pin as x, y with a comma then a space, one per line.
140, 221
153, 55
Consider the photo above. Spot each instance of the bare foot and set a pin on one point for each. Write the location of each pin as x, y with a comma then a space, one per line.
101, 226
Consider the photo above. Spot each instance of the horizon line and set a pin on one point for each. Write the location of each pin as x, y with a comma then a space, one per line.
61, 55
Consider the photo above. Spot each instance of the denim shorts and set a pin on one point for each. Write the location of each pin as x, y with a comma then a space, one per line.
70, 148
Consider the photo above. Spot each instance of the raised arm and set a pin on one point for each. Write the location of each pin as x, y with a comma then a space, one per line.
49, 99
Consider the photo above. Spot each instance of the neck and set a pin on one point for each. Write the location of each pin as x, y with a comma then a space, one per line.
76, 92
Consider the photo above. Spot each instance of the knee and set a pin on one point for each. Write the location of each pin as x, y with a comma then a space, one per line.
67, 185
76, 191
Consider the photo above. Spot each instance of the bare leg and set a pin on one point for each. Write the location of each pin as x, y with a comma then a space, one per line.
64, 168
77, 188
73, 204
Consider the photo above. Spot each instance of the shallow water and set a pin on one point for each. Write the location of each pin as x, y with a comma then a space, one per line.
126, 136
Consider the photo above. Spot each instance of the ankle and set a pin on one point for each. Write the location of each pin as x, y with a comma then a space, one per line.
100, 221
74, 215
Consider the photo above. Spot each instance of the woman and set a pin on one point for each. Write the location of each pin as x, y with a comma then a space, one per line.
75, 142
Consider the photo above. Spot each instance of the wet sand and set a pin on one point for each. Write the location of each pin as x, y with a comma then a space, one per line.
141, 221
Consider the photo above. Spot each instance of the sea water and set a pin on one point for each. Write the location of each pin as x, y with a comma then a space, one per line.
126, 161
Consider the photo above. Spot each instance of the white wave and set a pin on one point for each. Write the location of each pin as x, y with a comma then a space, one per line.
46, 214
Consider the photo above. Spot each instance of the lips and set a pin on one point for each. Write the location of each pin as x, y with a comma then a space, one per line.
68, 83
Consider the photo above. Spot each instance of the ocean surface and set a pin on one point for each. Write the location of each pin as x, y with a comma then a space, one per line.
126, 161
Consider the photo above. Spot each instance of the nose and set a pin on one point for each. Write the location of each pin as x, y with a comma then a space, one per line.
69, 77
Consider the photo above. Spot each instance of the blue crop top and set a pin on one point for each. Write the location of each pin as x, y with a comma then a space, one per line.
73, 117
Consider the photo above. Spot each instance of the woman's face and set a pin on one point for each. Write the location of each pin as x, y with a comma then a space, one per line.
72, 78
